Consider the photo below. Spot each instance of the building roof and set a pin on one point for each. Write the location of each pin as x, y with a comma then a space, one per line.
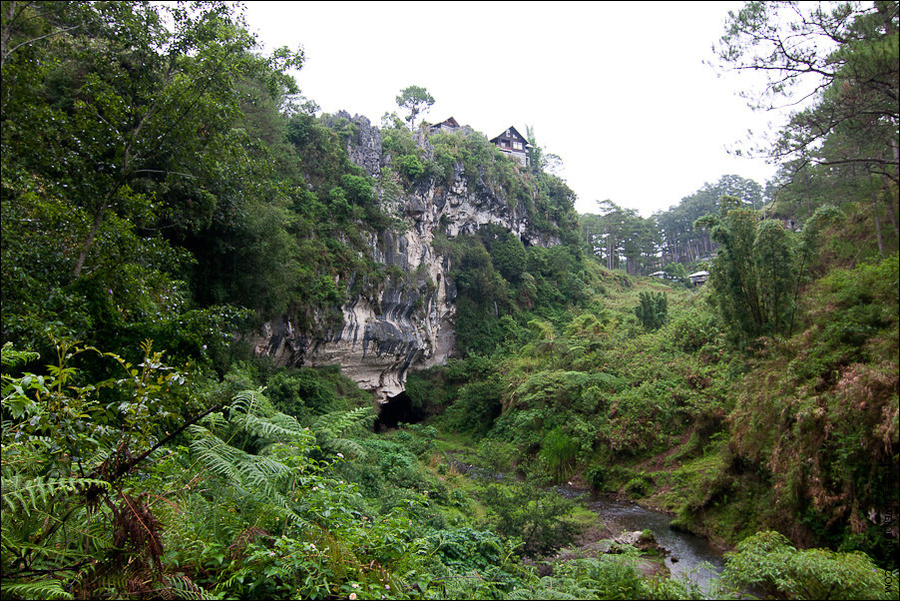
451, 122
513, 131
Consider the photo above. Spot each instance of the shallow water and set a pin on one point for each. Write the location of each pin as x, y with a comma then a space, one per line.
687, 553
689, 556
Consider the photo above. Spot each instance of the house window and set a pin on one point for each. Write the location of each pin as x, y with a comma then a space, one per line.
517, 145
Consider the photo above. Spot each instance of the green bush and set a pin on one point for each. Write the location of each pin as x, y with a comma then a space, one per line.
652, 312
638, 486
596, 476
559, 450
410, 166
766, 561
476, 407
538, 518
465, 549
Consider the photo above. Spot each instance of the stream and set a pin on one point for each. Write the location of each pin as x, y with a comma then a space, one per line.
689, 556
687, 552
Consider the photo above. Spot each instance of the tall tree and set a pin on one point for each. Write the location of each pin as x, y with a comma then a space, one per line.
681, 241
414, 99
754, 271
616, 234
128, 127
146, 94
838, 61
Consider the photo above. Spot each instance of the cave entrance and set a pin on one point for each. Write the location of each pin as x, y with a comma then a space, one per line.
398, 409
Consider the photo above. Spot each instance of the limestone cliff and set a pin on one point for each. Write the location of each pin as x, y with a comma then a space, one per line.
407, 320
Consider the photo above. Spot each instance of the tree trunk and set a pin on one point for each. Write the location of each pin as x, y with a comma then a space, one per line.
889, 198
877, 221
95, 227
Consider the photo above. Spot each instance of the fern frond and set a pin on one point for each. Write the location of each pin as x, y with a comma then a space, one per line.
278, 427
215, 455
260, 477
337, 423
43, 550
346, 446
41, 589
10, 357
238, 467
23, 492
213, 420
251, 402
183, 587
332, 430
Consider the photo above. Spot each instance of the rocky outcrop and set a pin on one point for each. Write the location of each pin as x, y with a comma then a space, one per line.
407, 320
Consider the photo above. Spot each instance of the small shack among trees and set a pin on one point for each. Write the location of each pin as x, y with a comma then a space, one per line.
444, 126
513, 143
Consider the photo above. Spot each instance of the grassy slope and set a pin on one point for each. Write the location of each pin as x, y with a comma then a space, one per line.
680, 421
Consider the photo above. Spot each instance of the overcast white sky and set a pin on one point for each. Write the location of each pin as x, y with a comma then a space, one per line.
617, 89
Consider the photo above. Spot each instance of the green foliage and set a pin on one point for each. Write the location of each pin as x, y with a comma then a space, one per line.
160, 182
694, 330
755, 273
607, 577
476, 407
465, 549
829, 393
653, 310
618, 232
685, 244
71, 450
848, 53
536, 518
768, 562
308, 392
414, 99
559, 450
410, 166
509, 256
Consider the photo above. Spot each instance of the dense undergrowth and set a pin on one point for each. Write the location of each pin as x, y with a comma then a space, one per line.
165, 190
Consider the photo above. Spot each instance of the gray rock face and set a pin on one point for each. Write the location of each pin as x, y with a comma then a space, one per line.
364, 148
407, 322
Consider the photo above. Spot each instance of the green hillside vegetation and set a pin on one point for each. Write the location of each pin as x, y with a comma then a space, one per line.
166, 190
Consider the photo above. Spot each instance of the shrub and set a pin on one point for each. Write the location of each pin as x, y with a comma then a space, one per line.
559, 451
476, 407
410, 166
536, 517
652, 311
465, 549
768, 562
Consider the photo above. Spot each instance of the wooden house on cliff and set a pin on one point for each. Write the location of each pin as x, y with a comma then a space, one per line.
514, 144
449, 125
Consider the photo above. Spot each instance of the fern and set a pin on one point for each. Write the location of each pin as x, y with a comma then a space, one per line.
41, 589
250, 402
262, 478
10, 357
23, 492
333, 428
278, 427
258, 476
182, 587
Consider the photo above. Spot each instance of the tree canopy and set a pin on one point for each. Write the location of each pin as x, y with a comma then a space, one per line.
416, 100
837, 62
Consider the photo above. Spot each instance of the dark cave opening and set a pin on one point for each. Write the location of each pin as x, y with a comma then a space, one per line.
398, 409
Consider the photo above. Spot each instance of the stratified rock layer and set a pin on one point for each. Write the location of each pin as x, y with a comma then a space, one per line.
398, 325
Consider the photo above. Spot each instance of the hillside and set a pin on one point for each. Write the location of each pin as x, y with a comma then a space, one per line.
251, 350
